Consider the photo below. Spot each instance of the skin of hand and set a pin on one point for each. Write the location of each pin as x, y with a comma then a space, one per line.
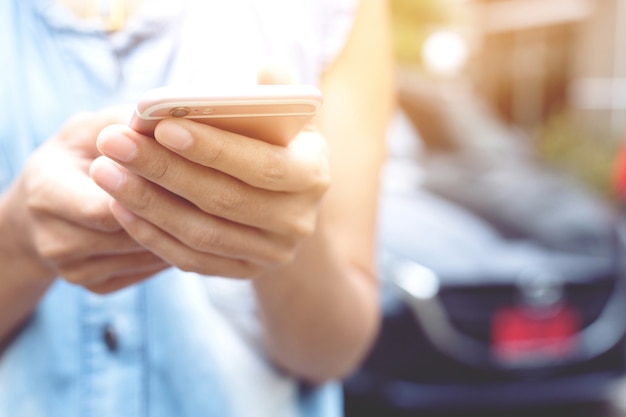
211, 201
321, 311
313, 258
217, 203
56, 222
63, 217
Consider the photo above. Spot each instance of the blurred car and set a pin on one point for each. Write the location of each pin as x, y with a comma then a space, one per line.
502, 280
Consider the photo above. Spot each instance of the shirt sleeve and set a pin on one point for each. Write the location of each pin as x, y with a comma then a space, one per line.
336, 21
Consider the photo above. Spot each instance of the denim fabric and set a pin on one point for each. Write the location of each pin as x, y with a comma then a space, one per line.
165, 347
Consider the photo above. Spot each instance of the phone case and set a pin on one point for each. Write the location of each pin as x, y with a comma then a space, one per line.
273, 113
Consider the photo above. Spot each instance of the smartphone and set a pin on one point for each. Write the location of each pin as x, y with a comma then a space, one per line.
272, 113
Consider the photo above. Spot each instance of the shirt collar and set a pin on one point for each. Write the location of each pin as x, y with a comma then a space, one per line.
152, 17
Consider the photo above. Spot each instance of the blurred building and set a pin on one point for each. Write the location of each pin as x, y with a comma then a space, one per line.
538, 58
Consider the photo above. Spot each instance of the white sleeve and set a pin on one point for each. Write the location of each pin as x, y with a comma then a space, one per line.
336, 20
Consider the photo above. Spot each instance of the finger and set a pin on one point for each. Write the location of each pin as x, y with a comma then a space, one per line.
81, 130
177, 253
198, 230
216, 195
99, 269
274, 73
303, 165
117, 283
300, 166
60, 241
67, 192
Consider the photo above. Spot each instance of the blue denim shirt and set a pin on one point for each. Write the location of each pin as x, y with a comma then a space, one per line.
169, 346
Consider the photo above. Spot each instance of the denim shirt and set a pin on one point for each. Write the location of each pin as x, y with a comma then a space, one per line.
178, 344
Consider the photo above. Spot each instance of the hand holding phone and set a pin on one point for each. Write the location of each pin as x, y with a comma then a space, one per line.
272, 113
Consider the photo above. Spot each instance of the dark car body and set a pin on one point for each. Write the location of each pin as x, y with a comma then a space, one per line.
502, 281
439, 347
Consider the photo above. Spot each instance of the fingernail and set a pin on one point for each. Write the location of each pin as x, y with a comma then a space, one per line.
116, 145
173, 135
107, 174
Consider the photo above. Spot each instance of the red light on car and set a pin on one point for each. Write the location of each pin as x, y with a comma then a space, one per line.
529, 335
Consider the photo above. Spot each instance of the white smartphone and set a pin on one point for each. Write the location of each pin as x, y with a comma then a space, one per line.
273, 113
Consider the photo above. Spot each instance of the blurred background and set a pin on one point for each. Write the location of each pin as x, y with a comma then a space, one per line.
501, 233
556, 69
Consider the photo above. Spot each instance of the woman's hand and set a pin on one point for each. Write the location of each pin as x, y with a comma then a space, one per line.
211, 201
61, 218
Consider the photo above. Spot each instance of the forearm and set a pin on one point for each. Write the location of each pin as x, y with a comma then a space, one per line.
23, 277
17, 302
320, 313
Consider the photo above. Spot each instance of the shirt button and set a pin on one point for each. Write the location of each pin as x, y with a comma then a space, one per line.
109, 337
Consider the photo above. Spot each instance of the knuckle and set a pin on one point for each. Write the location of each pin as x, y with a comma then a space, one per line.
205, 239
144, 198
57, 244
190, 264
321, 180
76, 276
214, 149
97, 213
145, 236
54, 251
159, 167
301, 228
38, 196
36, 204
226, 201
273, 168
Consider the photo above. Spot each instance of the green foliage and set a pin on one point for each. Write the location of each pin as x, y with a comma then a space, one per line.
587, 153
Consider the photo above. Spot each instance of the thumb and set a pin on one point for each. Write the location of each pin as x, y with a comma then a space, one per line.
274, 73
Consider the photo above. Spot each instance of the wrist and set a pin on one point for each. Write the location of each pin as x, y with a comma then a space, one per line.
18, 255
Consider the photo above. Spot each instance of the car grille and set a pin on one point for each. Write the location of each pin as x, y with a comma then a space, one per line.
471, 309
